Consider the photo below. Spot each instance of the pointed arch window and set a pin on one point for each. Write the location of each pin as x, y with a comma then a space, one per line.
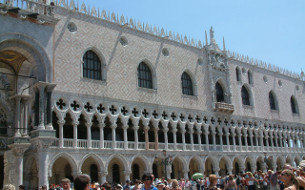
144, 76
219, 93
187, 84
238, 74
92, 66
245, 96
294, 106
272, 102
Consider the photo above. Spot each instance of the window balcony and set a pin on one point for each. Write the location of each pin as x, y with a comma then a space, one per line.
224, 107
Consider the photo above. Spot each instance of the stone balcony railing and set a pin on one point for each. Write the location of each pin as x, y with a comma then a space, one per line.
31, 10
224, 107
107, 145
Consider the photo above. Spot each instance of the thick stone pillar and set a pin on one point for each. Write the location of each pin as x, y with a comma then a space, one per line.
185, 174
102, 176
127, 174
14, 170
41, 147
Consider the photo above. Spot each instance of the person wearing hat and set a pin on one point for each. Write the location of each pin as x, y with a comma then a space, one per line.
118, 187
160, 186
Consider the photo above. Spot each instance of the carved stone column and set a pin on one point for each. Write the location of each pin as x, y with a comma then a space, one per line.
88, 125
191, 131
165, 130
41, 145
43, 116
101, 126
127, 174
75, 134
146, 128
182, 125
14, 163
174, 131
185, 174
136, 128
102, 177
113, 127
61, 133
156, 129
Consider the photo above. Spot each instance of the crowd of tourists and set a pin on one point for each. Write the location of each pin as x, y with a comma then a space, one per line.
290, 178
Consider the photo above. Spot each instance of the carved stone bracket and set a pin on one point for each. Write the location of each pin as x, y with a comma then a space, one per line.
19, 149
42, 144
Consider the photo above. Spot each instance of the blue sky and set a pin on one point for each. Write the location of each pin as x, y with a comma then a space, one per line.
269, 30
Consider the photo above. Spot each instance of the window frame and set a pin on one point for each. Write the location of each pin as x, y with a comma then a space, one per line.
92, 66
187, 84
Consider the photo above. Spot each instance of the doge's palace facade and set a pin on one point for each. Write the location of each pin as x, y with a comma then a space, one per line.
86, 91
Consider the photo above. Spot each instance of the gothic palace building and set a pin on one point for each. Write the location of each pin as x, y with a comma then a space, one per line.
87, 91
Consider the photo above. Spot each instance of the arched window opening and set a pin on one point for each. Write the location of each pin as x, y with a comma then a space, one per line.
94, 173
187, 84
144, 76
293, 103
272, 101
245, 96
92, 66
238, 77
116, 173
250, 79
219, 93
136, 172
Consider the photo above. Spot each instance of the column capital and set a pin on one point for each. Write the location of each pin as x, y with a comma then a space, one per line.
19, 149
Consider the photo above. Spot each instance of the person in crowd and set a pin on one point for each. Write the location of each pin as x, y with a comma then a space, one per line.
147, 179
66, 184
8, 187
82, 182
137, 185
213, 182
301, 177
231, 184
118, 187
182, 183
127, 185
21, 187
160, 186
188, 184
250, 181
175, 185
239, 180
288, 178
44, 187
272, 176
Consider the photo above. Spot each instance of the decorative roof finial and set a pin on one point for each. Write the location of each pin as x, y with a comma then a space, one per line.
224, 44
212, 35
206, 38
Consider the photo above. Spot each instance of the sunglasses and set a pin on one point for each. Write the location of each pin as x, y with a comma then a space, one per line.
147, 179
283, 174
